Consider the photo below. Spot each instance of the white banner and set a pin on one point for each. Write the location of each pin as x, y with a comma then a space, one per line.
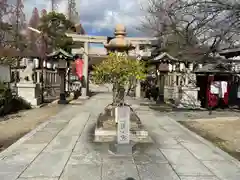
123, 133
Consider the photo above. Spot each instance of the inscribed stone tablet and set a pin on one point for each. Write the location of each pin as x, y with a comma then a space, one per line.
123, 134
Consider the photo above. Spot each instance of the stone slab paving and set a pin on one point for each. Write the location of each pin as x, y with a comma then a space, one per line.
190, 156
62, 149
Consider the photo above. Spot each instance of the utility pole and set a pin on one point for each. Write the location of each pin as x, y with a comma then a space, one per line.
73, 15
54, 5
17, 42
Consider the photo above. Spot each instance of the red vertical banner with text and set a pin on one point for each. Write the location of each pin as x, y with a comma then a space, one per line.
79, 68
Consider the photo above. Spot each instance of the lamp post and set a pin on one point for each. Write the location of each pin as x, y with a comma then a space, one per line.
62, 65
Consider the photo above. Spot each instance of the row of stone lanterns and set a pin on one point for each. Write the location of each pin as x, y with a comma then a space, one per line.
46, 64
181, 67
36, 63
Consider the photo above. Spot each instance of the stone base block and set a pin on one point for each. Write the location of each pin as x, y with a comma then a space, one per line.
35, 101
186, 105
170, 93
83, 97
189, 98
30, 93
122, 149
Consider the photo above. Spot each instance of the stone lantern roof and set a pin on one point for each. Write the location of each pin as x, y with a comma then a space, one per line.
119, 43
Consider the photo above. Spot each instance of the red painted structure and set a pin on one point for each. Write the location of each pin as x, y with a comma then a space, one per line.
79, 68
206, 78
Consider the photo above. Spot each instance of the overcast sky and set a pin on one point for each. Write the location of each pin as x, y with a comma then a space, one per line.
99, 17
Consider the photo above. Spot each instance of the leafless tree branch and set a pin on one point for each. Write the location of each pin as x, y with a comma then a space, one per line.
199, 24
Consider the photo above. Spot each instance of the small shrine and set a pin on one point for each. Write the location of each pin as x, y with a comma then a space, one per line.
62, 59
176, 80
219, 82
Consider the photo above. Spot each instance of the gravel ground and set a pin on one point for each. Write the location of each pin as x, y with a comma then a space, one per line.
223, 133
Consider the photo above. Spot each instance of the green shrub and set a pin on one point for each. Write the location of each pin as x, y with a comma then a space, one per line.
9, 103
118, 70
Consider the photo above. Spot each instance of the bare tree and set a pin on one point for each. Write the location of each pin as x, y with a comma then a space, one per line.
43, 12
196, 27
5, 26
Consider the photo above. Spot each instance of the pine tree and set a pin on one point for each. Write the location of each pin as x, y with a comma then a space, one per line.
34, 20
43, 12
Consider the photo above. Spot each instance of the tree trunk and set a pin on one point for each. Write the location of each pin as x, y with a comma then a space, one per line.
118, 95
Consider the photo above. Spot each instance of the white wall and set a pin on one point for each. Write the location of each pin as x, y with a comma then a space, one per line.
5, 73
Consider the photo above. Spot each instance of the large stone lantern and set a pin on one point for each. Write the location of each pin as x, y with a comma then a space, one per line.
119, 44
120, 134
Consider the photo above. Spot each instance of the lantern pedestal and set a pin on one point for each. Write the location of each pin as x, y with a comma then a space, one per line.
30, 92
62, 99
189, 97
83, 97
62, 96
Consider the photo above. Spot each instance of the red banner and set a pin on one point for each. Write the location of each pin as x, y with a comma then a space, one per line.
212, 98
79, 68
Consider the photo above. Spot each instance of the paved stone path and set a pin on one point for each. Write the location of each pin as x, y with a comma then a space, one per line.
61, 149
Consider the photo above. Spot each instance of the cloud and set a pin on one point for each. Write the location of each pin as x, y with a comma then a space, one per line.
100, 16
105, 14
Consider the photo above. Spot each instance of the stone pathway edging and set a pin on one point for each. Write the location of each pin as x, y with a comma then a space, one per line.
227, 118
24, 138
208, 143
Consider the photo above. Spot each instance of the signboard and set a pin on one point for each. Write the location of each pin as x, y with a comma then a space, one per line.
5, 73
123, 132
62, 64
163, 67
238, 92
215, 87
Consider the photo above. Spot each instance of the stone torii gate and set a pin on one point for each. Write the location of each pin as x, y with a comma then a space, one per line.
142, 48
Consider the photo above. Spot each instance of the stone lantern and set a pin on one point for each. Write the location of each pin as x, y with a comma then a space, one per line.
121, 139
119, 44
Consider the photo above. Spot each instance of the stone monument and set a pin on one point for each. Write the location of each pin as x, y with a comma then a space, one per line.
123, 144
26, 76
120, 126
27, 89
189, 92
